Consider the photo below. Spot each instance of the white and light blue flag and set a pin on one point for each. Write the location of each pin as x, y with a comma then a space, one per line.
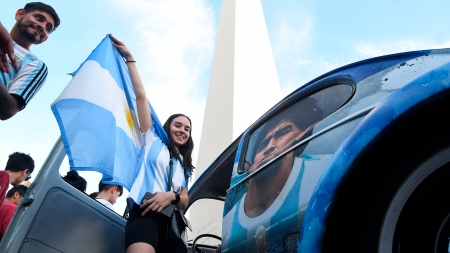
97, 119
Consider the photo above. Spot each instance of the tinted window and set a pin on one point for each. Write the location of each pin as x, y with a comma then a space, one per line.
265, 210
291, 125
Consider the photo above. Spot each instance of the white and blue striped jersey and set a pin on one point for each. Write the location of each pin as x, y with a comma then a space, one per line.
25, 82
153, 173
281, 222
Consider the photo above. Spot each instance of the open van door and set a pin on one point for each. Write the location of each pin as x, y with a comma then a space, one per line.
55, 217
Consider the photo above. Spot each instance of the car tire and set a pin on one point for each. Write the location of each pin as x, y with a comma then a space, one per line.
396, 196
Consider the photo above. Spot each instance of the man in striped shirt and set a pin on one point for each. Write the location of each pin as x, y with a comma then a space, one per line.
34, 23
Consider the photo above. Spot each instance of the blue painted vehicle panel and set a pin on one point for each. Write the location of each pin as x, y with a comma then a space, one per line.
425, 87
385, 90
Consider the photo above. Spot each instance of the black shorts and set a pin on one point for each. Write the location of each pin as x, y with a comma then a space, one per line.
151, 229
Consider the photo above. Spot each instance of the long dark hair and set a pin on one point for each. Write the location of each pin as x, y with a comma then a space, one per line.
185, 150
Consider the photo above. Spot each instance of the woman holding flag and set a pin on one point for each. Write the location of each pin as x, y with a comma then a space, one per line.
146, 226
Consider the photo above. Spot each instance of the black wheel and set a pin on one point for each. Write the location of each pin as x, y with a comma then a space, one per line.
417, 219
397, 196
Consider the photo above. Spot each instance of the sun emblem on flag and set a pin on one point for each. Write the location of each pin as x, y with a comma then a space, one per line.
130, 121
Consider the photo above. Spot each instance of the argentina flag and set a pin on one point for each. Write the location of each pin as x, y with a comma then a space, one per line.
97, 119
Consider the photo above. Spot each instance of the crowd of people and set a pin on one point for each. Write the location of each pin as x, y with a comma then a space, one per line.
22, 74
18, 169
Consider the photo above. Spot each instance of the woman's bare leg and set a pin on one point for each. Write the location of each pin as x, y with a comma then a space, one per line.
140, 247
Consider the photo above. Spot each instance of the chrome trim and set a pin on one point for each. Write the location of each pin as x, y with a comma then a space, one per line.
330, 127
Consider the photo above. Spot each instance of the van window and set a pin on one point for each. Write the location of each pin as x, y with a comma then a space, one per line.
288, 127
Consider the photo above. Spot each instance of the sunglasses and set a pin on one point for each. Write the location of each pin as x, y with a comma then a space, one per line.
28, 175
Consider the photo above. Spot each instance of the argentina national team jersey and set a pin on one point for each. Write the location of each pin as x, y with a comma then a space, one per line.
153, 173
25, 82
282, 220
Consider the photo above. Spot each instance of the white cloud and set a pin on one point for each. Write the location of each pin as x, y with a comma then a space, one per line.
174, 45
303, 70
292, 35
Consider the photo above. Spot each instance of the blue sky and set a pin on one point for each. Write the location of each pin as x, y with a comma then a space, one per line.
173, 43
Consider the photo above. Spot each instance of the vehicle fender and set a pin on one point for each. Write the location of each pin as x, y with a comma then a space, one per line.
418, 92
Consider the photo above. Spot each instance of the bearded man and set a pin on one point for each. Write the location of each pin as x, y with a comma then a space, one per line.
34, 23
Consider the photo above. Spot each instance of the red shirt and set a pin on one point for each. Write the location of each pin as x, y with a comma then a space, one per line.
4, 184
6, 213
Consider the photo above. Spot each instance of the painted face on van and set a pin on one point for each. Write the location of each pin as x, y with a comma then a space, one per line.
277, 140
